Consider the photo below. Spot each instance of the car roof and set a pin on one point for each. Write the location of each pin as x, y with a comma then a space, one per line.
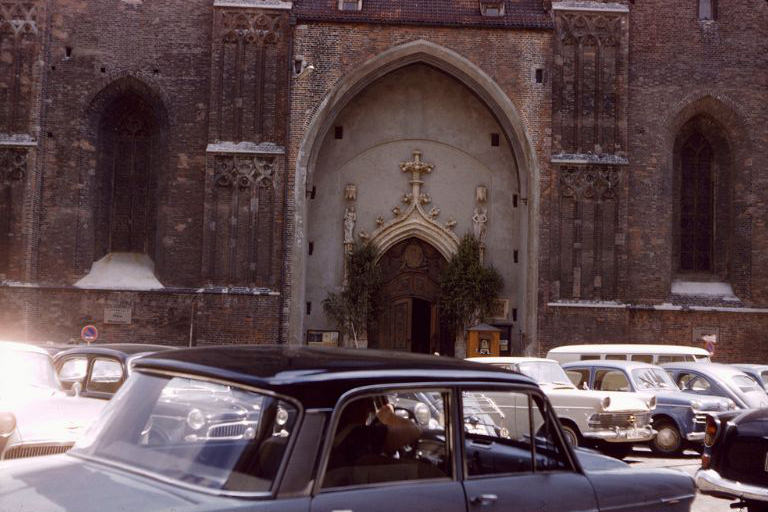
22, 347
716, 368
610, 363
513, 359
751, 366
629, 348
318, 376
113, 349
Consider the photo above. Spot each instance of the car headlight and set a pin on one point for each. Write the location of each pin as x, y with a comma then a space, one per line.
652, 403
281, 417
710, 432
421, 412
195, 419
695, 405
7, 424
606, 402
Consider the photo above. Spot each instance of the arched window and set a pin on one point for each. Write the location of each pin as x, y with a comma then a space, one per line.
696, 205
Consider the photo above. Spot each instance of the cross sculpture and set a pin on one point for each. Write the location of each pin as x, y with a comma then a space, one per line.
416, 167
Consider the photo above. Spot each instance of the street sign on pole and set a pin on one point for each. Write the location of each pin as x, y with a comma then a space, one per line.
89, 333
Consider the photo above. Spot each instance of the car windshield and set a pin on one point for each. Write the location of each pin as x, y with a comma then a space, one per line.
195, 433
544, 372
745, 384
652, 378
24, 369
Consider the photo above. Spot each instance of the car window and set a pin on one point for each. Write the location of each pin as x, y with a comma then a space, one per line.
670, 359
106, 376
616, 357
203, 434
579, 377
764, 376
693, 382
73, 369
589, 357
652, 378
644, 358
745, 383
509, 432
611, 380
392, 437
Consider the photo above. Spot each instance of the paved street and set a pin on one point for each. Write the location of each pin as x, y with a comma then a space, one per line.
689, 463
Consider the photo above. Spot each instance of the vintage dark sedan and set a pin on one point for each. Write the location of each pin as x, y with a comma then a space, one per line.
679, 416
331, 430
100, 370
734, 464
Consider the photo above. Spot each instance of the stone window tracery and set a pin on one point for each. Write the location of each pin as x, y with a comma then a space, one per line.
696, 205
707, 9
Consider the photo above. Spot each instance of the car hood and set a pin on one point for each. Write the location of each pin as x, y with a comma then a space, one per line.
707, 402
620, 401
63, 483
57, 417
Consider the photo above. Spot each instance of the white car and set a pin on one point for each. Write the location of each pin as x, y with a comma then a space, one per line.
36, 416
612, 421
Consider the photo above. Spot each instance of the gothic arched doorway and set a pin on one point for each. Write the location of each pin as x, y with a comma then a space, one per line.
409, 318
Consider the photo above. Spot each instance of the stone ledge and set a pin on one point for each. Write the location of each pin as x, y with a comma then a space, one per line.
19, 140
588, 159
255, 4
589, 6
245, 148
210, 290
665, 306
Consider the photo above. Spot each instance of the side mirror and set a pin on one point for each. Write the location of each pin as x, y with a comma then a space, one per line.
77, 388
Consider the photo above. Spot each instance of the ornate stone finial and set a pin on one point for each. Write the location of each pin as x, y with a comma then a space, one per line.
407, 198
396, 211
481, 193
451, 223
379, 220
350, 192
434, 212
363, 235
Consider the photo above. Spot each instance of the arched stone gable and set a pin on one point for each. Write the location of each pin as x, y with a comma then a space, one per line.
490, 94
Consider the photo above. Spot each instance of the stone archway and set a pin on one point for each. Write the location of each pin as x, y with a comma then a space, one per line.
409, 317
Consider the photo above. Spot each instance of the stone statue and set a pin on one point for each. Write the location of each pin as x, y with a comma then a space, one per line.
350, 216
480, 218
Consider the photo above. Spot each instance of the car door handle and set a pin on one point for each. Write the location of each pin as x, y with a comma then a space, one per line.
484, 499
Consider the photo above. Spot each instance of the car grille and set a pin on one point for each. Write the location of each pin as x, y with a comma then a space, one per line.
620, 419
230, 430
700, 419
35, 450
745, 461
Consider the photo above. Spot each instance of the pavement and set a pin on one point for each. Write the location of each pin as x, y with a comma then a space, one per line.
689, 462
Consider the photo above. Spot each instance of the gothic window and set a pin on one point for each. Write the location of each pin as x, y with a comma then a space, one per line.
697, 205
350, 5
707, 9
128, 157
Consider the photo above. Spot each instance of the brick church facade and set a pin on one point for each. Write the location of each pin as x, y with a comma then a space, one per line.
192, 172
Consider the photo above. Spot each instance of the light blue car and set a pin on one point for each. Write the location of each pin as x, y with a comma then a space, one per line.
679, 417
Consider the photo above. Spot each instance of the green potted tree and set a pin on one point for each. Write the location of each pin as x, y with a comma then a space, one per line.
352, 307
468, 290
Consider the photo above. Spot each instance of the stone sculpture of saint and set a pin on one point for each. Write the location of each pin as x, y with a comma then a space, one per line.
480, 218
350, 216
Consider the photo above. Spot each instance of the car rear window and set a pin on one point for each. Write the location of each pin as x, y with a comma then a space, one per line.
193, 432
745, 384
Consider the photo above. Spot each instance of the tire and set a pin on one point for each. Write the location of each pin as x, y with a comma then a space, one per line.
616, 450
757, 506
668, 440
571, 435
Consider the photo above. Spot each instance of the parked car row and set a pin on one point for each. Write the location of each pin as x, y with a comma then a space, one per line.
323, 430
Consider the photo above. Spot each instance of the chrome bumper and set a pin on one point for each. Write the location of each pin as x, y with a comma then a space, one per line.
695, 436
622, 435
709, 481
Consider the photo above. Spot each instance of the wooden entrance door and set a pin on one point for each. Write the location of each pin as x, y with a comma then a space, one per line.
409, 318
